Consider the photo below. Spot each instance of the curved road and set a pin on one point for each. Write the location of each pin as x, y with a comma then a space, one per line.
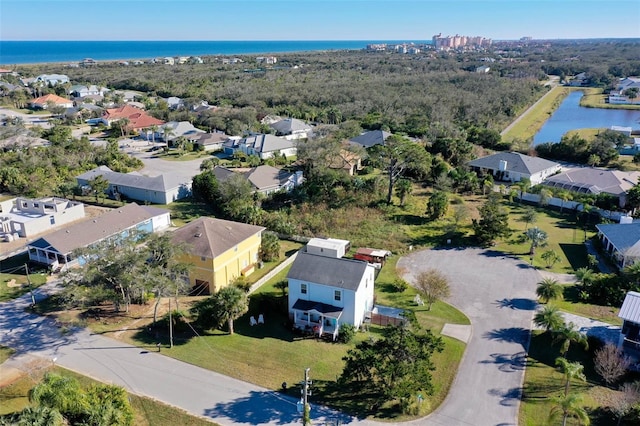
496, 293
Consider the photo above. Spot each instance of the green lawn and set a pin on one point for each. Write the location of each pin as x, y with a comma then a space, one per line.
12, 269
175, 155
270, 354
542, 381
147, 412
564, 237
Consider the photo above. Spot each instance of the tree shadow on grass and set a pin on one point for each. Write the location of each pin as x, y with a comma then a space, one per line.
576, 254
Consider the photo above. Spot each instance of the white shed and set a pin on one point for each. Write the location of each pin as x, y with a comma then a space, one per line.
328, 247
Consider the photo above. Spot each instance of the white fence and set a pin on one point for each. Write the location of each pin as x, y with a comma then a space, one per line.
273, 273
612, 215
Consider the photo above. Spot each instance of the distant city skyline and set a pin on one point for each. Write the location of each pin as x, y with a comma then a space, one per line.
315, 19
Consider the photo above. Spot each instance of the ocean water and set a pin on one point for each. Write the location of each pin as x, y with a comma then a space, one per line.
33, 52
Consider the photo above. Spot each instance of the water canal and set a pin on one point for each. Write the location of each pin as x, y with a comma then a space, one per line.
571, 116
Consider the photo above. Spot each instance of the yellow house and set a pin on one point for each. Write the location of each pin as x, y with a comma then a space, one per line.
219, 251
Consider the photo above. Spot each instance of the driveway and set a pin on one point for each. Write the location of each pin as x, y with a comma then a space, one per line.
497, 293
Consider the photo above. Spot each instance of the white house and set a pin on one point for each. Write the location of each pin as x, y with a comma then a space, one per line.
513, 167
161, 189
57, 249
325, 292
264, 179
621, 241
28, 217
291, 128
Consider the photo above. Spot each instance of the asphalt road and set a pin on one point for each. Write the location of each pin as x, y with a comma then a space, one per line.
497, 293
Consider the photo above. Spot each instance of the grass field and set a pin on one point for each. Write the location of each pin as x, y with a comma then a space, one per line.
147, 412
595, 98
13, 278
543, 380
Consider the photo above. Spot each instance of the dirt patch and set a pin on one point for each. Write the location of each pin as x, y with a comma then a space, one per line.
12, 283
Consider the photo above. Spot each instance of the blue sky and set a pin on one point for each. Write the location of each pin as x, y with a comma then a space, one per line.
315, 19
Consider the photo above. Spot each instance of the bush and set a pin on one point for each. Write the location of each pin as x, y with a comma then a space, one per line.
400, 285
346, 333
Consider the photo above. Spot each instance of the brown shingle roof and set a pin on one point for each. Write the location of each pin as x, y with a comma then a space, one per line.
209, 237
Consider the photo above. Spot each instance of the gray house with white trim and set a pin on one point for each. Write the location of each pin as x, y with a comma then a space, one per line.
161, 189
325, 292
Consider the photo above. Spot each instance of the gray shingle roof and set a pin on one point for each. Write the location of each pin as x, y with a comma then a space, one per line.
369, 139
630, 310
329, 271
625, 236
594, 180
261, 178
209, 237
160, 183
516, 162
323, 308
88, 232
267, 143
289, 125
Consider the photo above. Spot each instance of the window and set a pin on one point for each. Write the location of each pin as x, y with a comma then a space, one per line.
303, 288
337, 295
52, 219
202, 258
36, 205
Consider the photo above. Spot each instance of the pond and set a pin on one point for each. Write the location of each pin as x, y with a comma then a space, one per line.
571, 116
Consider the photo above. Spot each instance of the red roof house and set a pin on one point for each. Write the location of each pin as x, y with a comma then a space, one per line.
44, 101
138, 119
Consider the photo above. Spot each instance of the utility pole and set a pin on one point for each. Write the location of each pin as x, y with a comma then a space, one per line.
33, 298
305, 398
170, 326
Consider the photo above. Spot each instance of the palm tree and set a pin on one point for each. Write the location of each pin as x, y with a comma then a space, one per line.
584, 275
567, 334
231, 303
551, 258
529, 216
538, 238
549, 289
61, 393
548, 318
36, 416
569, 406
571, 370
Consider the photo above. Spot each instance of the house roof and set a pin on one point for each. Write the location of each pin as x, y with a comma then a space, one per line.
371, 138
138, 119
329, 271
515, 162
289, 125
266, 176
594, 180
373, 252
267, 143
90, 231
210, 138
42, 100
630, 310
322, 308
160, 183
624, 236
261, 177
181, 128
209, 237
